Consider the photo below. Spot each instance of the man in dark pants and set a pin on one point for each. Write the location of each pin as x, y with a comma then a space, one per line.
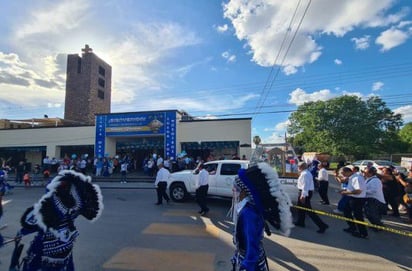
201, 191
356, 190
306, 186
161, 184
323, 180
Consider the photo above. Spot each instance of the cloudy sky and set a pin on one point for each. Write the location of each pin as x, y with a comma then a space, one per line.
216, 59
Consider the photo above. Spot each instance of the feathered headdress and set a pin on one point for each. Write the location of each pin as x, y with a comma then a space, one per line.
69, 193
262, 184
265, 191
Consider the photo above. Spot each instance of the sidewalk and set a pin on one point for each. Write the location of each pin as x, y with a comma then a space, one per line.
134, 180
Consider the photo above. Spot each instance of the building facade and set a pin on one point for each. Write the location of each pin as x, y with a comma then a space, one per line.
89, 128
136, 134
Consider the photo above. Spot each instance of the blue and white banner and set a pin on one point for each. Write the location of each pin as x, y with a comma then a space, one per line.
137, 124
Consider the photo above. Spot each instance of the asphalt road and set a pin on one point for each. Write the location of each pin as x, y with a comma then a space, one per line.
135, 234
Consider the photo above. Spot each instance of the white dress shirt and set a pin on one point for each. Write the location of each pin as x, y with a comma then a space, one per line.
357, 182
374, 189
162, 175
323, 175
305, 182
203, 177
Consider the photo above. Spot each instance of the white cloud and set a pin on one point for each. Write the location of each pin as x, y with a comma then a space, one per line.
377, 86
264, 24
151, 45
228, 56
277, 137
289, 69
403, 24
222, 28
195, 105
277, 133
406, 112
353, 93
279, 127
51, 105
338, 61
299, 96
65, 15
282, 126
361, 43
391, 38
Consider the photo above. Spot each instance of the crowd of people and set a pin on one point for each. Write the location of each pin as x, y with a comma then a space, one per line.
384, 191
370, 193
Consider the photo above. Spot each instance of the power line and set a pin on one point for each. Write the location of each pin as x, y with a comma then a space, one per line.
261, 102
387, 71
287, 50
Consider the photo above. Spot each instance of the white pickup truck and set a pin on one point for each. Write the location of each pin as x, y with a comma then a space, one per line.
222, 174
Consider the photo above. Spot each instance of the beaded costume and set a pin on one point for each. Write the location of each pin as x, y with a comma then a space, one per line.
69, 195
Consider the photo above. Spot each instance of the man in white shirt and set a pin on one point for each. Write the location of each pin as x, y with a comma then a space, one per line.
356, 190
201, 191
375, 201
306, 187
161, 184
323, 179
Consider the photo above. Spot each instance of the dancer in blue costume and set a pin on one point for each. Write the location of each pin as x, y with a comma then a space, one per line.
257, 202
69, 195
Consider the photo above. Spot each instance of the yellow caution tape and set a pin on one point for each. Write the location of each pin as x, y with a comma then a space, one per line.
400, 232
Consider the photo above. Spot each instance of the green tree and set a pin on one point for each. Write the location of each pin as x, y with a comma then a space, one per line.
345, 125
405, 135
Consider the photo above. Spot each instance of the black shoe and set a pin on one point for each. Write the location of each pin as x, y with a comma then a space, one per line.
323, 229
299, 225
158, 203
204, 213
200, 212
349, 230
325, 203
359, 235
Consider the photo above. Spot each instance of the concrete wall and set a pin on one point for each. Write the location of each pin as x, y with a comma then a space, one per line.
52, 138
216, 130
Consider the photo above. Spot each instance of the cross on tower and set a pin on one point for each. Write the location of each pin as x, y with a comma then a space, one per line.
87, 49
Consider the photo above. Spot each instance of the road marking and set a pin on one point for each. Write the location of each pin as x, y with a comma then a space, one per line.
4, 202
177, 212
182, 230
144, 259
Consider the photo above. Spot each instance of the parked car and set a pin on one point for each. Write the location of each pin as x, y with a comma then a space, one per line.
222, 174
379, 165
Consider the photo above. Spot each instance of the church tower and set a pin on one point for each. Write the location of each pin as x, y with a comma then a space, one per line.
88, 87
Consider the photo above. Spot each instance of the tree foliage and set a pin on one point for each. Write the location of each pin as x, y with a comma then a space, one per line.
405, 135
346, 125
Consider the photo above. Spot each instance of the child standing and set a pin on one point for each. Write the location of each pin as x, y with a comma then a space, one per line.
26, 179
123, 172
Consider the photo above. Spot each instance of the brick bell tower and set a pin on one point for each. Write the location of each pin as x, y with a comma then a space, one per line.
88, 87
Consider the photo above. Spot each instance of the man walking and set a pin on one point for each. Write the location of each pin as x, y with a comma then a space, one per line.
306, 187
161, 184
323, 179
201, 191
356, 190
